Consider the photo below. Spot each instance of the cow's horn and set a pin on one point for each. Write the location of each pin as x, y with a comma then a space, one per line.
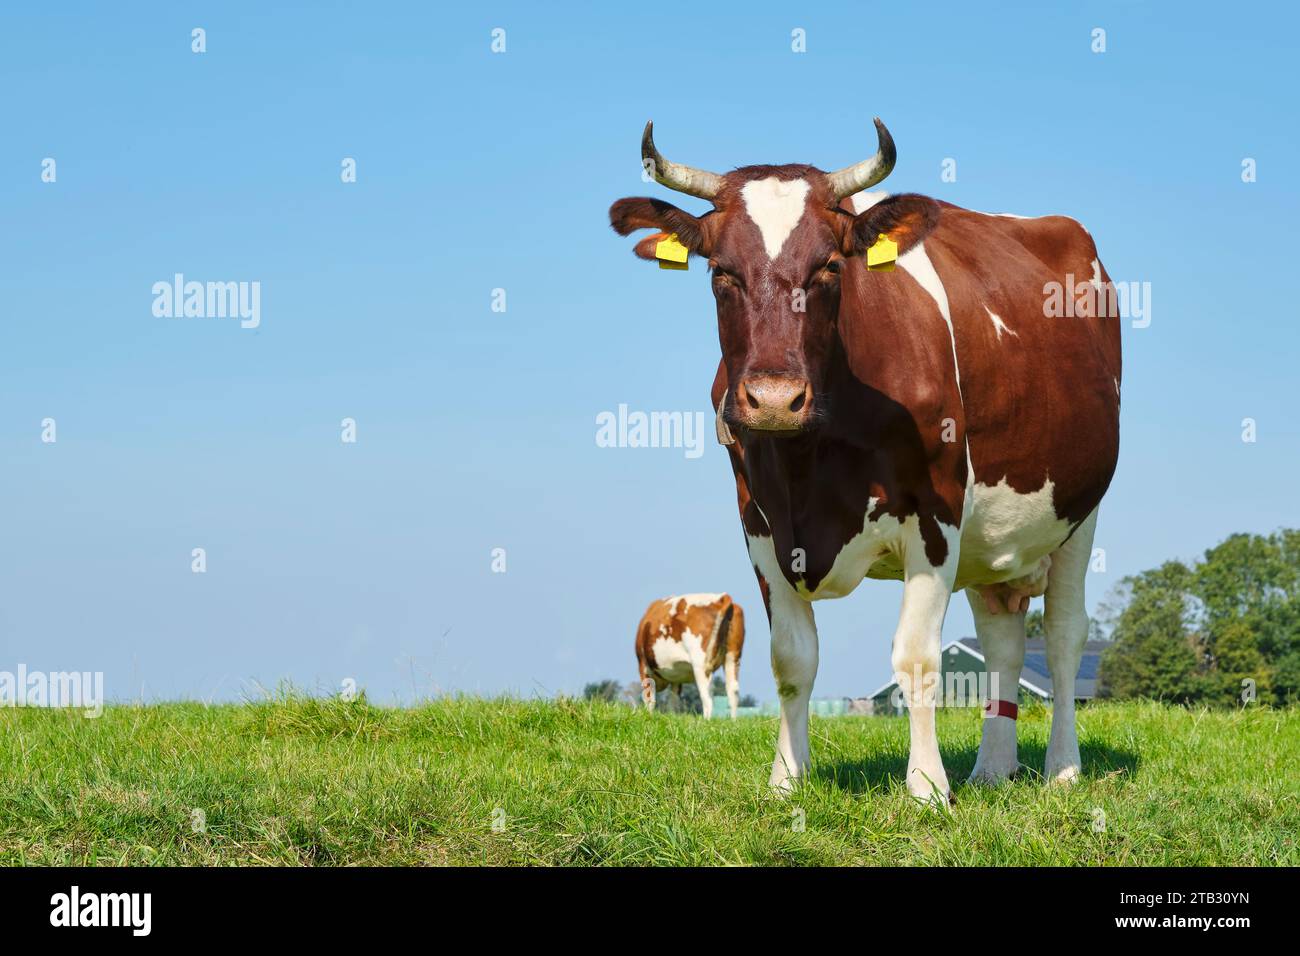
855, 178
684, 179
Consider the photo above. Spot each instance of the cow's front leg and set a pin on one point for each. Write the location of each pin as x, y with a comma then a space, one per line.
926, 591
794, 664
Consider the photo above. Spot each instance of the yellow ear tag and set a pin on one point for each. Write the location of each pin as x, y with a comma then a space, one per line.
882, 256
671, 253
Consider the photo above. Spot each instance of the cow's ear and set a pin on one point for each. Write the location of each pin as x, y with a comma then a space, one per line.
906, 219
639, 212
645, 248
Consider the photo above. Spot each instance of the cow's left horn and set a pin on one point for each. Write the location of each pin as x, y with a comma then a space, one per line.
855, 178
684, 179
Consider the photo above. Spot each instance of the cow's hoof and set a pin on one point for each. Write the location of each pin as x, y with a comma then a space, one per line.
783, 789
1062, 776
1062, 766
782, 782
931, 788
934, 799
992, 774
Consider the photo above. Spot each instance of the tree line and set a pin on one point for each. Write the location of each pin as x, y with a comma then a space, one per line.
1222, 630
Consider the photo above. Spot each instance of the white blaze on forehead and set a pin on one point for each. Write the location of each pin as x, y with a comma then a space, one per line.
776, 206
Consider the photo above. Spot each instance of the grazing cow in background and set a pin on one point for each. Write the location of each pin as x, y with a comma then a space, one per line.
947, 423
687, 638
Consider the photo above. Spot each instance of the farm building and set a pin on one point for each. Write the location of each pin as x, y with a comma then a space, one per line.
963, 681
962, 667
818, 707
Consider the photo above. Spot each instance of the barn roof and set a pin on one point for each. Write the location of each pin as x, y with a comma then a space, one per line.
1034, 678
1037, 675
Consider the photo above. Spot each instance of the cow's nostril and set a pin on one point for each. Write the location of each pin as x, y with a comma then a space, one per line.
773, 402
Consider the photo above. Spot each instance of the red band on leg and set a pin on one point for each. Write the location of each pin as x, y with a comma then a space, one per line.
1001, 708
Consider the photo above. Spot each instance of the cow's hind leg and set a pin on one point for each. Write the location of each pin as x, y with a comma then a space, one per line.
1002, 642
1065, 623
648, 685
648, 694
926, 591
702, 685
731, 668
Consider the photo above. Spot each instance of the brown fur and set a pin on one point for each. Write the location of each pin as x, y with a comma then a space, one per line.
1040, 403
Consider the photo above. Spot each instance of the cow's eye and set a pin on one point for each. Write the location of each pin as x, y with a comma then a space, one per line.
829, 270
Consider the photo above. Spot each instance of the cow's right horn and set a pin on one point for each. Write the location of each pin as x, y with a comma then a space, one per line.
855, 178
684, 179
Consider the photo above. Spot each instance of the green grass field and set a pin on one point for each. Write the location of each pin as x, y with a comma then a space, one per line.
320, 781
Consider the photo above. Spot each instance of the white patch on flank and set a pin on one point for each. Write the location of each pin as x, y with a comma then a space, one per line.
1116, 388
1007, 534
865, 200
1096, 275
776, 206
693, 600
998, 325
675, 660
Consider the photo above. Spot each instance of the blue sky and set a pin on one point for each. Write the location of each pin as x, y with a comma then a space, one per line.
476, 429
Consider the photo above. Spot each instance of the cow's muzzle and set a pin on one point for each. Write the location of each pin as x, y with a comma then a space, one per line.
779, 404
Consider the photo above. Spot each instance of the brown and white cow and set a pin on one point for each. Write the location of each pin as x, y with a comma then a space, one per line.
687, 638
930, 424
